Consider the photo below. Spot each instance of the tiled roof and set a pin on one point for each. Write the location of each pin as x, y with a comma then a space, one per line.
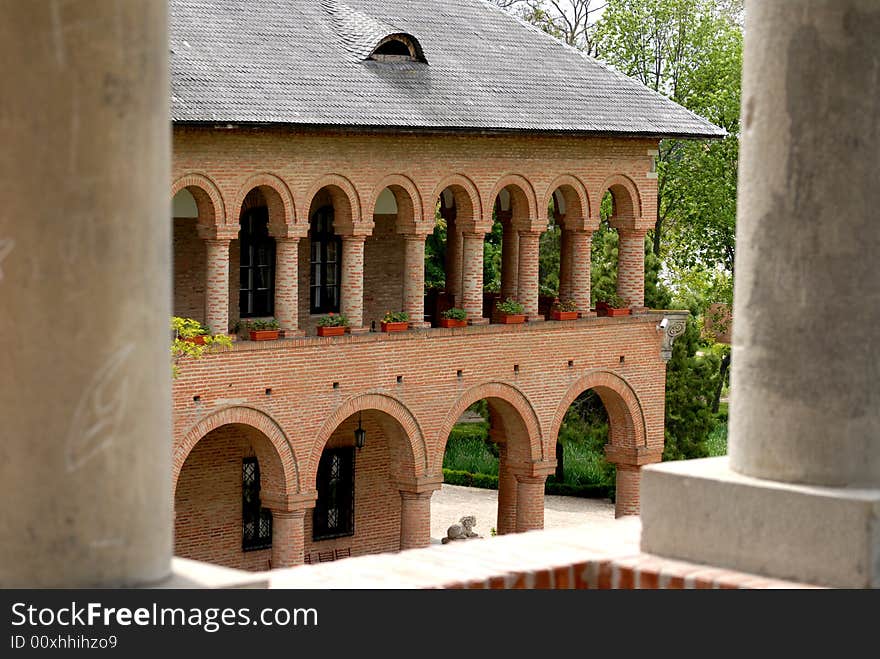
305, 62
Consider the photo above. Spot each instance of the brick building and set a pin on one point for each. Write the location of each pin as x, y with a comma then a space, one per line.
314, 146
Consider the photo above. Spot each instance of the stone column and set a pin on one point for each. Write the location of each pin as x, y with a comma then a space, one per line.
506, 522
85, 256
631, 267
453, 263
414, 279
800, 494
472, 271
415, 519
527, 277
288, 538
581, 260
352, 302
564, 264
529, 502
217, 285
287, 284
509, 259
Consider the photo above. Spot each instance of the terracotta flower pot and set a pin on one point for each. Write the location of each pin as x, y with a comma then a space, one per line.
198, 340
395, 327
511, 318
602, 309
327, 330
264, 335
452, 322
564, 315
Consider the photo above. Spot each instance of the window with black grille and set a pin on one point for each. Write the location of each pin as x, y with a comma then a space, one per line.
334, 509
256, 520
326, 262
257, 288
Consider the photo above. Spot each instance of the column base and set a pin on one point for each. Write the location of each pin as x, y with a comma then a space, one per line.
291, 334
358, 330
419, 325
536, 319
701, 511
478, 321
587, 314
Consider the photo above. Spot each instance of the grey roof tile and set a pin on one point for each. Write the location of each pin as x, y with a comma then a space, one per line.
305, 62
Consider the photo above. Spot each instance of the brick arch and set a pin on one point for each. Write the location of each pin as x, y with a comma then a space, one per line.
627, 201
382, 403
245, 416
578, 209
463, 189
207, 195
625, 414
346, 202
505, 392
409, 201
523, 201
282, 210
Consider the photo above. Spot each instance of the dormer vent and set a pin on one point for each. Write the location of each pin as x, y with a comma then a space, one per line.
398, 48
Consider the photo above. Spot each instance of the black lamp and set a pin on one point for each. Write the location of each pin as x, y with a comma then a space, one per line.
360, 435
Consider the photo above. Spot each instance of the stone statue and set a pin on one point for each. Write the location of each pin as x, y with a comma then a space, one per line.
461, 531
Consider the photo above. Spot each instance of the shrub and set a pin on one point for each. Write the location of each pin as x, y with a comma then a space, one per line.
509, 306
395, 317
567, 304
333, 320
188, 328
455, 314
613, 300
269, 324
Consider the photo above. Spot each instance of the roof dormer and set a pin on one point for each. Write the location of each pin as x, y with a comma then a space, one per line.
398, 47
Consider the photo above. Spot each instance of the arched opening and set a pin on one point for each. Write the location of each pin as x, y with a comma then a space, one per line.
255, 252
358, 509
619, 248
218, 502
398, 48
581, 467
189, 256
444, 254
320, 285
384, 255
600, 424
489, 446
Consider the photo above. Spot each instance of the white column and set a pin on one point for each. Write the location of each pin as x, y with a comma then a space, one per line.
85, 256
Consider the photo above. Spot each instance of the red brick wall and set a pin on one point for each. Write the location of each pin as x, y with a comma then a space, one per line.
189, 270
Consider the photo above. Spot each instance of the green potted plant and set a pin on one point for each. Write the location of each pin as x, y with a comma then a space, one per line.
190, 338
611, 305
333, 324
510, 312
395, 321
262, 330
453, 317
564, 309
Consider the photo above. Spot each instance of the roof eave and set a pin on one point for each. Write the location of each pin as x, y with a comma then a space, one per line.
471, 130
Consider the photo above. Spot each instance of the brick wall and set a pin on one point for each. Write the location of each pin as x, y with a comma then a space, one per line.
189, 270
305, 408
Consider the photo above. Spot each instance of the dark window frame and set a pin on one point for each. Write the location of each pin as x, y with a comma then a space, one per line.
333, 516
256, 521
254, 239
325, 261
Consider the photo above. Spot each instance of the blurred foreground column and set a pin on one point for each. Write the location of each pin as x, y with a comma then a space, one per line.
85, 378
800, 496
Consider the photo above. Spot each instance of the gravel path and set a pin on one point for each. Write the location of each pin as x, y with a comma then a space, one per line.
452, 502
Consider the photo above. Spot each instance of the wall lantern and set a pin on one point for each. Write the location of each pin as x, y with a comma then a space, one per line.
360, 435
